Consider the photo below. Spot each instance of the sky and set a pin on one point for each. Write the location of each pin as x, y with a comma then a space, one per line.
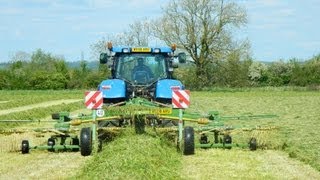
276, 29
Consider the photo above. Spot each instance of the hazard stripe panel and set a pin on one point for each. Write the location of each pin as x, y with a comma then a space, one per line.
93, 99
181, 99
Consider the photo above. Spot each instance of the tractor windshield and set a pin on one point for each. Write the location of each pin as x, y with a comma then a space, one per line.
141, 69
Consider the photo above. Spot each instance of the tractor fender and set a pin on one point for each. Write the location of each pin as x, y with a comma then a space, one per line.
165, 87
112, 88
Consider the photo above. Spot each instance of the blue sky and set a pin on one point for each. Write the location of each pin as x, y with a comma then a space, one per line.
276, 28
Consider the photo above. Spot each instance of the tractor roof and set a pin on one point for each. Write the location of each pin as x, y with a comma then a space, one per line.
126, 49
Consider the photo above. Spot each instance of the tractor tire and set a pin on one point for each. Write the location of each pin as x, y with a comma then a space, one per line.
253, 144
75, 141
55, 116
188, 139
51, 142
25, 147
86, 141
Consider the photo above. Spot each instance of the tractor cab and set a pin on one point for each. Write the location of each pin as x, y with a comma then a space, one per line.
140, 72
141, 69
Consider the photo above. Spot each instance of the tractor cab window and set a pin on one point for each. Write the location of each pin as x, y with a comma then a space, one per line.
141, 68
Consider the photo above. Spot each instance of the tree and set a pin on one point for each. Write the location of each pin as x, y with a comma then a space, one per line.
137, 34
21, 56
202, 28
257, 73
280, 73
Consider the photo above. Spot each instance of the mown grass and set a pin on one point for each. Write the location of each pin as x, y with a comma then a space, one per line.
146, 157
10, 99
298, 122
37, 114
133, 156
298, 136
11, 142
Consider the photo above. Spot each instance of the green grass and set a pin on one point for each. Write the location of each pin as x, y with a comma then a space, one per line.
298, 111
297, 136
133, 156
37, 113
10, 99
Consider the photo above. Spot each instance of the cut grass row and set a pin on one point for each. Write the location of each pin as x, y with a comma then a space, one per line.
133, 156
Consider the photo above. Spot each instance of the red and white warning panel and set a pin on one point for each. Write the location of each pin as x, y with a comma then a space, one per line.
180, 99
93, 99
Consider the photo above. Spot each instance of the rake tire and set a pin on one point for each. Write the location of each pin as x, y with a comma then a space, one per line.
253, 144
188, 139
51, 142
227, 139
25, 147
55, 116
86, 141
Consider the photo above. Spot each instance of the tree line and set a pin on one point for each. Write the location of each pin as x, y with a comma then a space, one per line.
250, 73
46, 71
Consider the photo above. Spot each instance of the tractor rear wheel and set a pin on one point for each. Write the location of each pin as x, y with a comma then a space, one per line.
85, 141
25, 147
188, 138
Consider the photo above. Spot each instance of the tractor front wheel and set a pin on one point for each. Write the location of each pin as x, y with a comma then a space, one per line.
25, 147
188, 138
85, 141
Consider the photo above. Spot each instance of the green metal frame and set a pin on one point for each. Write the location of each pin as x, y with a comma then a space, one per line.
140, 107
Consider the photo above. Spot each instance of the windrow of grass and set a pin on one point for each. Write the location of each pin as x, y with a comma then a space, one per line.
10, 99
132, 156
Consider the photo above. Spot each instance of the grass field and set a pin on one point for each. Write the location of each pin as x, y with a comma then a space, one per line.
292, 150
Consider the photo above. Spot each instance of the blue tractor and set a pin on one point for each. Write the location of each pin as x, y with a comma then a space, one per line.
139, 94
140, 72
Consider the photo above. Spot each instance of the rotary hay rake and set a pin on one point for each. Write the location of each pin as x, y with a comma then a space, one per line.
144, 116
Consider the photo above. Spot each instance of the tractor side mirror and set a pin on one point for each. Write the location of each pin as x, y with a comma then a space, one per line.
182, 57
103, 58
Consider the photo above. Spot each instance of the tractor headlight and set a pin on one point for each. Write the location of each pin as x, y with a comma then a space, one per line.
125, 50
156, 50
